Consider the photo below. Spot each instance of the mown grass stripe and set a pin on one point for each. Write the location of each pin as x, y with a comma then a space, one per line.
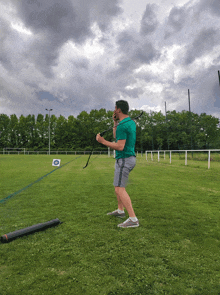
39, 179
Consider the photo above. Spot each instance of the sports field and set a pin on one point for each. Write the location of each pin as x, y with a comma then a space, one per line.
176, 249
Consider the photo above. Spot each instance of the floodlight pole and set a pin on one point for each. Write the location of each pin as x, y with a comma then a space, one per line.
49, 127
219, 80
167, 127
141, 143
190, 121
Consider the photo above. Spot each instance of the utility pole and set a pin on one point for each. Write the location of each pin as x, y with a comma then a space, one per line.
219, 80
141, 143
167, 126
190, 114
152, 130
49, 127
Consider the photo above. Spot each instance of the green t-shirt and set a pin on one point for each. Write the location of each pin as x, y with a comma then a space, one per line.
126, 131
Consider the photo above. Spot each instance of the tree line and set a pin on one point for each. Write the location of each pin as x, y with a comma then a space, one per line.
155, 131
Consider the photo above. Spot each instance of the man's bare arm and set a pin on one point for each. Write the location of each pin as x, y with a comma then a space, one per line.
114, 129
115, 124
119, 145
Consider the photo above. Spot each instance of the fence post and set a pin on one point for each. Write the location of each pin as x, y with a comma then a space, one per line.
209, 158
152, 156
170, 157
185, 157
146, 155
158, 156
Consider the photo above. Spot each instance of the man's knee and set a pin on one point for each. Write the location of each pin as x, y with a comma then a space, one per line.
119, 189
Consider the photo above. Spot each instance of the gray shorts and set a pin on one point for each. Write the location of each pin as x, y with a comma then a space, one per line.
123, 167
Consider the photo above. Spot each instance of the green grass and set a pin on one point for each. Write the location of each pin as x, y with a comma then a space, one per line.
175, 250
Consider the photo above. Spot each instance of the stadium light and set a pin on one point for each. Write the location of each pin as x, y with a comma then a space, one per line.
167, 126
49, 127
190, 114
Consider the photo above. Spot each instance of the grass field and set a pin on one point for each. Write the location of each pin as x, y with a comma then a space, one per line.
176, 249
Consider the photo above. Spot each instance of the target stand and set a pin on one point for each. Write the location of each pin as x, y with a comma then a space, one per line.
56, 162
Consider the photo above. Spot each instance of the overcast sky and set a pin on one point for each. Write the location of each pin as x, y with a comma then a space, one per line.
76, 55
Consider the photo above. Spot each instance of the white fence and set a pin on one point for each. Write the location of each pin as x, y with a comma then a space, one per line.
112, 152
178, 151
52, 152
25, 152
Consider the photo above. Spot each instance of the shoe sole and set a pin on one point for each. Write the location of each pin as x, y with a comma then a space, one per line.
128, 226
120, 216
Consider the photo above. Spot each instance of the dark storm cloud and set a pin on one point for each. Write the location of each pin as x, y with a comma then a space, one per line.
136, 51
102, 12
216, 94
145, 53
212, 6
53, 23
82, 63
6, 39
66, 19
149, 21
28, 62
204, 42
176, 21
177, 18
54, 18
217, 60
133, 93
78, 59
13, 50
127, 40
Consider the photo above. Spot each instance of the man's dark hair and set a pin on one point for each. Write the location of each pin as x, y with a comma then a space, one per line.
123, 105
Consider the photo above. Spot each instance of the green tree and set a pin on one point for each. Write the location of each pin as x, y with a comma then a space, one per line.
153, 131
208, 131
4, 131
61, 133
23, 133
41, 133
31, 131
13, 131
73, 133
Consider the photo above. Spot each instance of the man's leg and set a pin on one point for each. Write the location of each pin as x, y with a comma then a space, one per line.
124, 200
120, 204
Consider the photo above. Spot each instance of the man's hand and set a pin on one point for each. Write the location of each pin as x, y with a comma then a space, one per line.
119, 145
99, 138
114, 117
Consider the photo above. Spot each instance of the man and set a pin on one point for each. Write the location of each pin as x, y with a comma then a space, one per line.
125, 134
